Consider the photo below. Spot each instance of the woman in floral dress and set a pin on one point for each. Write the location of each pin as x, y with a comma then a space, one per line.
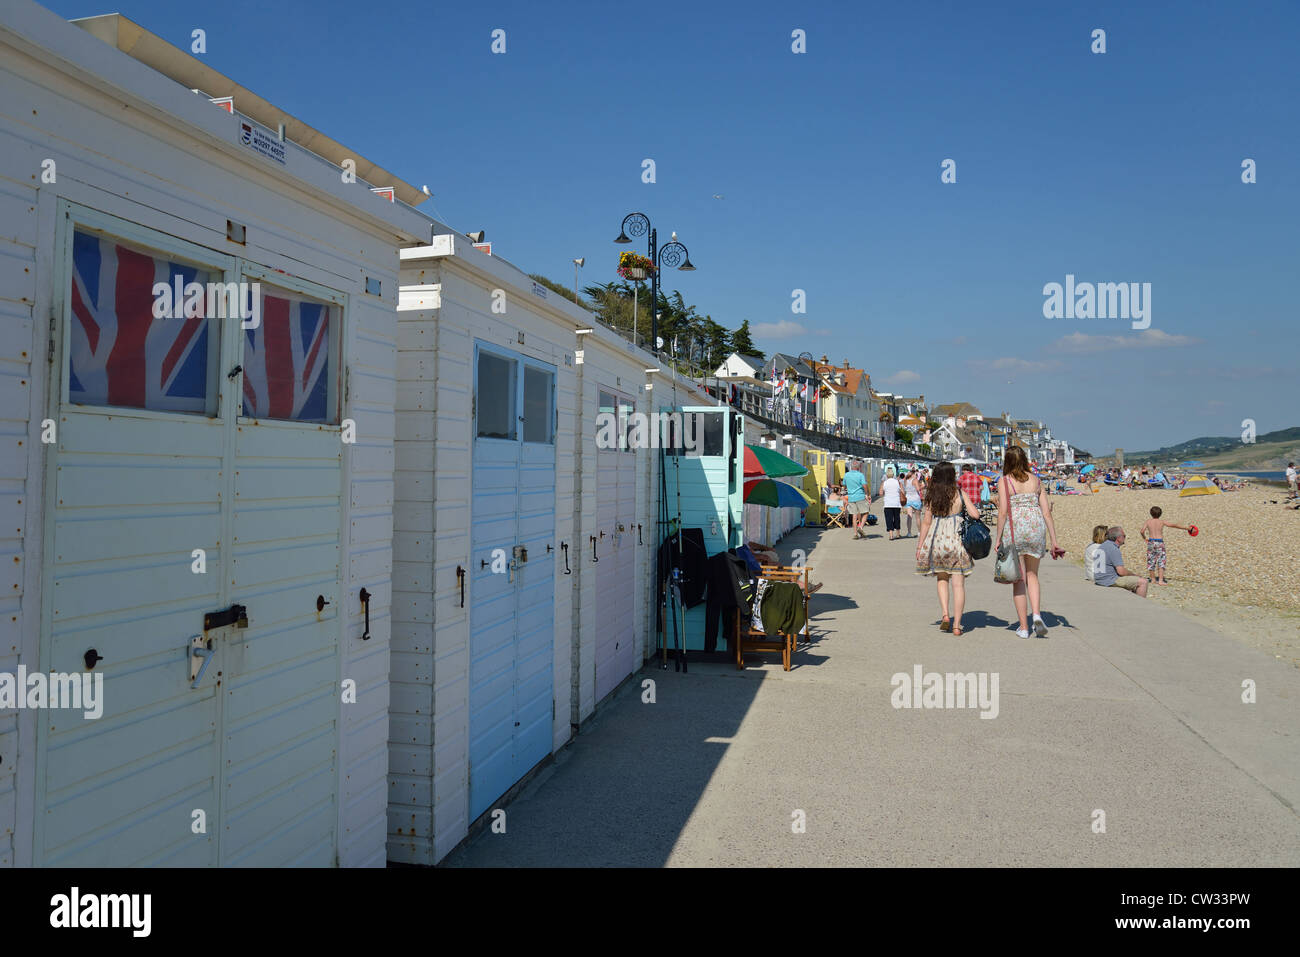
1024, 507
940, 552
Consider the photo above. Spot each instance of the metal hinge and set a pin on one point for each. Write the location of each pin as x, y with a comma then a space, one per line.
473, 406
49, 355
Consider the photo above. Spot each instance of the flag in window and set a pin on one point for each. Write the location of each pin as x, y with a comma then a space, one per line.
286, 359
120, 353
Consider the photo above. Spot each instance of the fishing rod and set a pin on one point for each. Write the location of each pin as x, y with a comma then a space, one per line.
677, 572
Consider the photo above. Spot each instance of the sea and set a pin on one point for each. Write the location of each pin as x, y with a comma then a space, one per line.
1279, 477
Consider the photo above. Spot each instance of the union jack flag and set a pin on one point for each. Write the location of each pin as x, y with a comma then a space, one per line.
121, 354
286, 359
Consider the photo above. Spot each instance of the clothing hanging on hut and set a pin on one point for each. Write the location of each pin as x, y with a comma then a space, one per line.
730, 593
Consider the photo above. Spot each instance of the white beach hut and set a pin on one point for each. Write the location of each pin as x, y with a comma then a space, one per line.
525, 536
182, 490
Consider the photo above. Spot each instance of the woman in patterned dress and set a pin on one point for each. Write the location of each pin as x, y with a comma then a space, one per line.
940, 552
1023, 504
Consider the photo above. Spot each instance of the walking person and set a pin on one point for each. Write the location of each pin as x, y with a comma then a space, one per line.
859, 502
911, 500
970, 483
940, 551
891, 495
1023, 506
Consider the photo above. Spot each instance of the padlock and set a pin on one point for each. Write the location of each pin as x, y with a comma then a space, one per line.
242, 620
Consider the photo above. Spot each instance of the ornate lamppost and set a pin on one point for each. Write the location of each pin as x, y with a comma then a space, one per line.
673, 255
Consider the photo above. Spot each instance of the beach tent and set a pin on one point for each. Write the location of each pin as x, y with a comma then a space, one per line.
1199, 485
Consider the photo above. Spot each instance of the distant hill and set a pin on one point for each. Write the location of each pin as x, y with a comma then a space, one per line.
1269, 450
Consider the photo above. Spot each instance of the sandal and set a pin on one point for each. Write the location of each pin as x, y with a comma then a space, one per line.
946, 624
956, 631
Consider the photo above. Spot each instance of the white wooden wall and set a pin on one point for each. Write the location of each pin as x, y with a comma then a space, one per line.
21, 355
174, 156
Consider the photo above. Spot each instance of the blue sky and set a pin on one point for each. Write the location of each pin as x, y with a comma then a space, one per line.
1115, 167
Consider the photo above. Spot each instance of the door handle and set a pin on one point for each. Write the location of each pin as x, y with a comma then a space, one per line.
199, 648
365, 603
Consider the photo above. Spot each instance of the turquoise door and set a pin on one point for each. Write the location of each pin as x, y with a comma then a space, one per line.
705, 482
512, 608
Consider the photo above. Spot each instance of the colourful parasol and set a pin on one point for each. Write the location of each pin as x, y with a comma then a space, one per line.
769, 463
764, 491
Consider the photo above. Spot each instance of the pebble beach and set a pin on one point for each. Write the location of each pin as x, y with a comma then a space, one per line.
1240, 575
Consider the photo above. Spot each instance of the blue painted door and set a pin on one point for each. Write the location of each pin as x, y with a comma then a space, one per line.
512, 607
171, 497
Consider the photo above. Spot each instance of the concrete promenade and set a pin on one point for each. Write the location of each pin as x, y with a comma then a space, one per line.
1126, 708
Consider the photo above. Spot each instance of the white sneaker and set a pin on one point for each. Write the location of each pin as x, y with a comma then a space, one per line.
1040, 627
1022, 633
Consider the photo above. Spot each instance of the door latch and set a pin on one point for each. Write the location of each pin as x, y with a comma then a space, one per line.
236, 615
200, 648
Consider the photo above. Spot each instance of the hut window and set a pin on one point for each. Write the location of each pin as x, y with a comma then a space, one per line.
706, 431
131, 347
539, 388
289, 358
495, 397
625, 412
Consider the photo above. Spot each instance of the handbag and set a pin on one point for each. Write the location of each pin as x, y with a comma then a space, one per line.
975, 535
1006, 568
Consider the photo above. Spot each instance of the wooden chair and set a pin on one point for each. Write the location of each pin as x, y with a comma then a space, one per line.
747, 639
835, 516
787, 573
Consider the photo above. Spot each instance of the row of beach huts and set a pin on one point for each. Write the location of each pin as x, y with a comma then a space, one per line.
349, 573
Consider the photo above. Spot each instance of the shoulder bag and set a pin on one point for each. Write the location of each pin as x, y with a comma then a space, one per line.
1006, 568
975, 535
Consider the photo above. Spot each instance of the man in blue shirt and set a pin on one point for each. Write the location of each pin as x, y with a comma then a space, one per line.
1110, 571
859, 502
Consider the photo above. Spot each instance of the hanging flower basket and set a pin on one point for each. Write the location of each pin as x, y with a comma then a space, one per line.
634, 266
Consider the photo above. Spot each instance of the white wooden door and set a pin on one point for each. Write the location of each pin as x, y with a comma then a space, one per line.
615, 547
168, 501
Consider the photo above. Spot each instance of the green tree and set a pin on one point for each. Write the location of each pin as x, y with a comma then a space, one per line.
902, 434
742, 342
716, 342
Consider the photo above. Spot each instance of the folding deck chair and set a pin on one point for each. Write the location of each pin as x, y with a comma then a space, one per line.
750, 639
835, 514
786, 573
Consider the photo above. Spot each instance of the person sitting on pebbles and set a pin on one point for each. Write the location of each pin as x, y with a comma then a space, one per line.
1111, 570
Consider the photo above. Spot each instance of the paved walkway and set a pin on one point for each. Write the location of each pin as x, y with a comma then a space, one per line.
1126, 707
